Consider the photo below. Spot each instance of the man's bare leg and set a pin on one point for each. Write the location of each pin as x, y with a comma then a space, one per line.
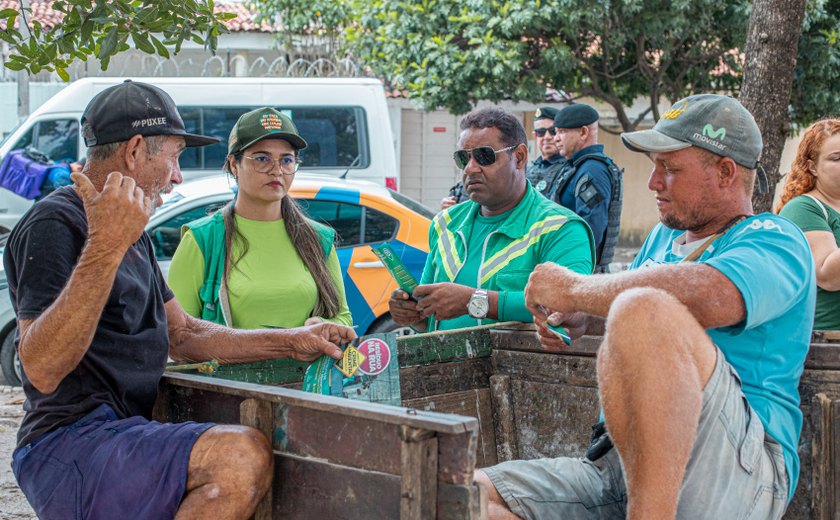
230, 471
652, 367
497, 509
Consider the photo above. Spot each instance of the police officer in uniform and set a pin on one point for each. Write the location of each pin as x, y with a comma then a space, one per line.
544, 172
590, 184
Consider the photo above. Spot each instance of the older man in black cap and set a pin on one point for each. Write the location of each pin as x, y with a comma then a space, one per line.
96, 323
544, 172
591, 182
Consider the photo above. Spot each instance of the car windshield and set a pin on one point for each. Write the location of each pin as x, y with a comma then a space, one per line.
412, 204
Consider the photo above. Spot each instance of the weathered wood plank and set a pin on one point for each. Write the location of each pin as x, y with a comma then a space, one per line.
825, 336
553, 420
472, 403
342, 440
418, 493
444, 378
823, 356
260, 415
527, 340
504, 418
188, 385
313, 489
460, 502
546, 367
456, 458
307, 489
442, 347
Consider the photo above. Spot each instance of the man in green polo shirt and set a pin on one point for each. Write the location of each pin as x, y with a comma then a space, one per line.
483, 250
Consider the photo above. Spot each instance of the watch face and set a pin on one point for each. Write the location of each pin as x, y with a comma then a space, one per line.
478, 307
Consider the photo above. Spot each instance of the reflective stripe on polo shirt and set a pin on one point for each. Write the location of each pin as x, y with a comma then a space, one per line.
520, 246
446, 245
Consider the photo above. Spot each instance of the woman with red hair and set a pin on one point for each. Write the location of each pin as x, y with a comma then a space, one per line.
811, 199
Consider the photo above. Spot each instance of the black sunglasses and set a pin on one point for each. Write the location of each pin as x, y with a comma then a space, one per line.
541, 131
483, 155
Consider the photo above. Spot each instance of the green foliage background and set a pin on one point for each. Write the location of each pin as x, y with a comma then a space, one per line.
452, 53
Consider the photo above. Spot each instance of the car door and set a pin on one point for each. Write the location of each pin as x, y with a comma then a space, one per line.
366, 281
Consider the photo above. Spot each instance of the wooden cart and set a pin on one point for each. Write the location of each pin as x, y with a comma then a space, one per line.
343, 459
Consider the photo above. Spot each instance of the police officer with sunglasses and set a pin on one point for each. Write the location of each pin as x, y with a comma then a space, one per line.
483, 250
544, 172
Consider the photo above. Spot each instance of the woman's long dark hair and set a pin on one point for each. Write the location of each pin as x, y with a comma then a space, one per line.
306, 241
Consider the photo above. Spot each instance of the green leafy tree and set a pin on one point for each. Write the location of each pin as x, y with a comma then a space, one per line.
451, 54
317, 22
817, 73
102, 29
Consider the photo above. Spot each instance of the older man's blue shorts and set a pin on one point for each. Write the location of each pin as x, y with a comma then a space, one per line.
101, 467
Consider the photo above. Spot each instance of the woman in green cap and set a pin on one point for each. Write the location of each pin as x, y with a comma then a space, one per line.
259, 262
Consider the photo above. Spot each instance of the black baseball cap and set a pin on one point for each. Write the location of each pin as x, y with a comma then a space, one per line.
120, 112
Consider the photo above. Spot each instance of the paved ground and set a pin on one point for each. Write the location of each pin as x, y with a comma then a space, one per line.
13, 505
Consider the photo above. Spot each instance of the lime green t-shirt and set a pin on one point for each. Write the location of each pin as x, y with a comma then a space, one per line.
808, 214
270, 286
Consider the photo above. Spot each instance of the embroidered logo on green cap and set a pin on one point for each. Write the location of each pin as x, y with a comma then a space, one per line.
538, 113
676, 110
709, 131
271, 122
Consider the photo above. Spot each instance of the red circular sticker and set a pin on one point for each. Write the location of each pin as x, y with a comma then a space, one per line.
377, 356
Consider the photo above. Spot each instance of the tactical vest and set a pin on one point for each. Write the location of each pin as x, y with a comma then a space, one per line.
607, 251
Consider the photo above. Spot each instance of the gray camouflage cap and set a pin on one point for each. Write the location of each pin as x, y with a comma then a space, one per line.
719, 124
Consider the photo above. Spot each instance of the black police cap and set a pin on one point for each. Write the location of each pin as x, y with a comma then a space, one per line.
545, 113
575, 116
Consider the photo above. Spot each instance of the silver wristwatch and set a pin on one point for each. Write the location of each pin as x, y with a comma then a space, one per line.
479, 305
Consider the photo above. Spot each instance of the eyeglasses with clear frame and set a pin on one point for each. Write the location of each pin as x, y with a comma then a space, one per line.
287, 164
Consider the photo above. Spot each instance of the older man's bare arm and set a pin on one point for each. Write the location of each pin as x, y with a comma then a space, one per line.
194, 340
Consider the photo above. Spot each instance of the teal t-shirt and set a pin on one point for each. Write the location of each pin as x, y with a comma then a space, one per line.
811, 215
768, 259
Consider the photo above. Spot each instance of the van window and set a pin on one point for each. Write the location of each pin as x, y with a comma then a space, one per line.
337, 135
57, 138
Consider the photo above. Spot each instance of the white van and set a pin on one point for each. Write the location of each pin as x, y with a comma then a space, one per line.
344, 120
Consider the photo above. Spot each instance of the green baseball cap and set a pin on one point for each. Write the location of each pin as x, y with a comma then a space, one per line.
719, 124
263, 123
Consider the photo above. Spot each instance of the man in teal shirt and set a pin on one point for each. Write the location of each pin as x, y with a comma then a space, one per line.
704, 343
483, 250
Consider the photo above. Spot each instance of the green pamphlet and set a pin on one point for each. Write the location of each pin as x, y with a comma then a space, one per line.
398, 270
